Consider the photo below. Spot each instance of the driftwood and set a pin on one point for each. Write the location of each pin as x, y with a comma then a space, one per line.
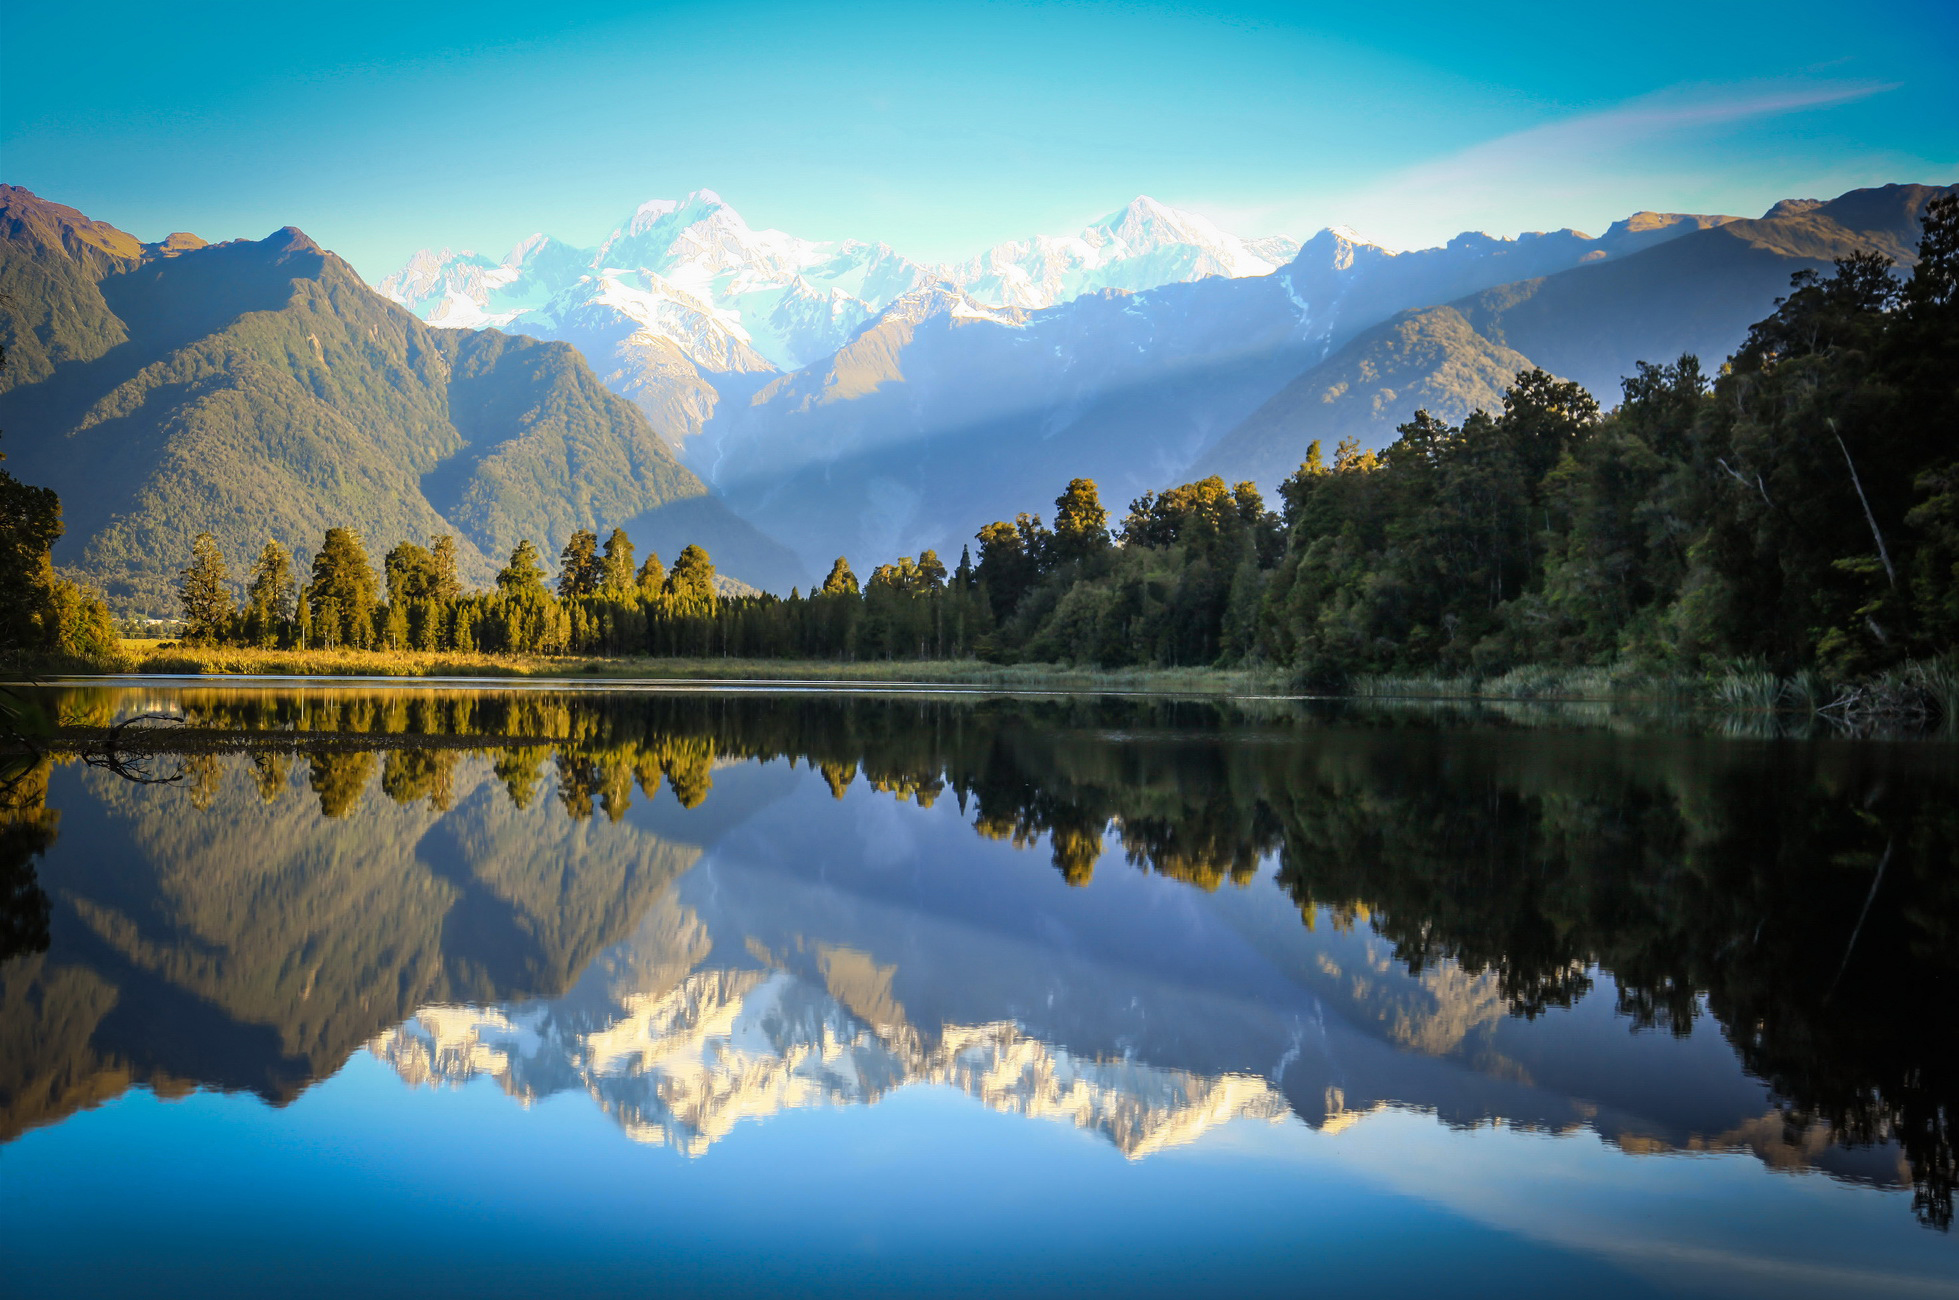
110, 755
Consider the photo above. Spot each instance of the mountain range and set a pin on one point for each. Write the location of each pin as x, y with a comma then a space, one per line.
783, 401
964, 394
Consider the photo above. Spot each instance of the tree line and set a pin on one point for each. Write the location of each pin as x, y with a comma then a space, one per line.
603, 601
1798, 509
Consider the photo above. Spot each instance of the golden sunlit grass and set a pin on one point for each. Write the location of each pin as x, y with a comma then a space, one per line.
170, 658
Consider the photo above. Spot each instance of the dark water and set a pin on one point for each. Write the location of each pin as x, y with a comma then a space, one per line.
534, 992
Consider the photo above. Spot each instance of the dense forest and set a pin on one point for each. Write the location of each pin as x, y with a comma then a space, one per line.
1797, 511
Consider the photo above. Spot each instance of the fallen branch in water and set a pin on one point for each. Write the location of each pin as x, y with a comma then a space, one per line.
112, 757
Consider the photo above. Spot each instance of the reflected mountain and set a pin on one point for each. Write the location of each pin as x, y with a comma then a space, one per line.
1143, 918
682, 1065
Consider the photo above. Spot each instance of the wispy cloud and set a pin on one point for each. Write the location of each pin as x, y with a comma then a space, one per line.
1567, 169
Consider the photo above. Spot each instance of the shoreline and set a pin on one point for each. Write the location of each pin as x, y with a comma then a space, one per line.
1921, 692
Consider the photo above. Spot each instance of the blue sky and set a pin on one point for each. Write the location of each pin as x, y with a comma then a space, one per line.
944, 128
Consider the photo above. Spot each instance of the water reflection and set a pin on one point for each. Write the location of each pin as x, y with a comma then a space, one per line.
703, 909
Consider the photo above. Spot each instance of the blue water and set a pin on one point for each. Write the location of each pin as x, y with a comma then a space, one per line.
789, 1042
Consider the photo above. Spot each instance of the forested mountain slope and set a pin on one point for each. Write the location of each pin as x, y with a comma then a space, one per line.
260, 390
1592, 323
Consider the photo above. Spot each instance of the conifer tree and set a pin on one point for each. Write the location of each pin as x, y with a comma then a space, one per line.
841, 582
205, 592
344, 592
524, 575
616, 565
270, 596
447, 586
692, 577
1081, 525
652, 576
580, 572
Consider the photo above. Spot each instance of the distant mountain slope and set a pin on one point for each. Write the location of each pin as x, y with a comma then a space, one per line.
1428, 360
259, 389
1698, 294
945, 413
1593, 322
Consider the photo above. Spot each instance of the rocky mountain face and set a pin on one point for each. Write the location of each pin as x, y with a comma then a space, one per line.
258, 389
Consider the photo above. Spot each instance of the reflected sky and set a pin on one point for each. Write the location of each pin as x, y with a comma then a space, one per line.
837, 997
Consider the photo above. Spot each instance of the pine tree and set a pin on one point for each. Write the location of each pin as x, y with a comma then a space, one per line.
616, 565
270, 596
524, 575
1081, 525
345, 594
448, 587
692, 577
841, 582
205, 592
580, 571
652, 576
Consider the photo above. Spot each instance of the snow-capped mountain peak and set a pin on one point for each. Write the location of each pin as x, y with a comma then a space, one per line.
1140, 246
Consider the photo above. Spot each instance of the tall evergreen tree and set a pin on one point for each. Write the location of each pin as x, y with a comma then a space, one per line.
580, 573
1081, 524
841, 582
270, 595
204, 589
616, 564
692, 576
524, 575
344, 593
652, 576
448, 586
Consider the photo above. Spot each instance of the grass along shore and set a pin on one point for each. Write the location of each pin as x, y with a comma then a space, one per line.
1924, 689
151, 657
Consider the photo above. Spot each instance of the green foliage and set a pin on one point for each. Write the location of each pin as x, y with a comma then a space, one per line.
343, 595
841, 582
270, 595
260, 390
524, 575
1799, 511
30, 523
580, 570
1081, 524
204, 590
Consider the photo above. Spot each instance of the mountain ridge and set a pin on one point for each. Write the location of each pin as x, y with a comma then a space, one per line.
259, 389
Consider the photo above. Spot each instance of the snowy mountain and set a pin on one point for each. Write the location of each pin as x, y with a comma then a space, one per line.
684, 298
1141, 247
692, 274
683, 1066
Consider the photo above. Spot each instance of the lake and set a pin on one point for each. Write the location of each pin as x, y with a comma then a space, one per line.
505, 990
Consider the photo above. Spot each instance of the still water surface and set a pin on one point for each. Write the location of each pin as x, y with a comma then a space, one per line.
532, 992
